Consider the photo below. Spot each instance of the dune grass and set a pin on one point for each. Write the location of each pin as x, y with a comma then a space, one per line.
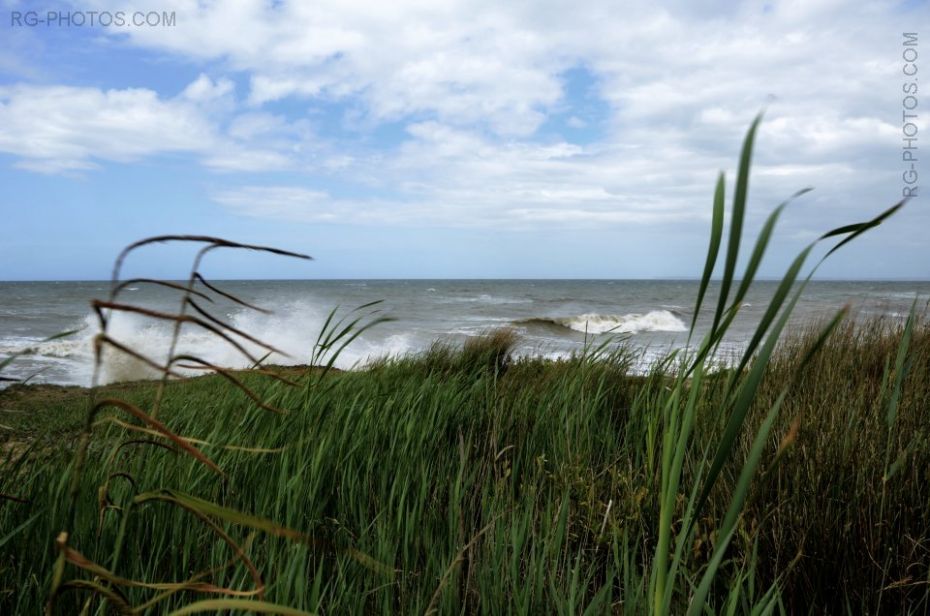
464, 480
528, 489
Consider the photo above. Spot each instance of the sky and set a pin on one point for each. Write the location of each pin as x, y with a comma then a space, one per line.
429, 139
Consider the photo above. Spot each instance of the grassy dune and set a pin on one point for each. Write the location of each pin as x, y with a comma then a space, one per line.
499, 486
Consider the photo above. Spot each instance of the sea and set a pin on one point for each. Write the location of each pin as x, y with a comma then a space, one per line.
552, 318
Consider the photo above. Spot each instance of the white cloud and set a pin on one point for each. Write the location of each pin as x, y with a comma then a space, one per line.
445, 176
66, 128
205, 90
468, 63
61, 128
451, 177
474, 81
486, 64
294, 203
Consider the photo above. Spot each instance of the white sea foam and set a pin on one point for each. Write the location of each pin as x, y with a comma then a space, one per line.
653, 321
293, 329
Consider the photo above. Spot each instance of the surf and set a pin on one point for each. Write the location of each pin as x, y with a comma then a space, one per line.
632, 323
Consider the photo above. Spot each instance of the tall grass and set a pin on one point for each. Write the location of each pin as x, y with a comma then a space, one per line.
464, 480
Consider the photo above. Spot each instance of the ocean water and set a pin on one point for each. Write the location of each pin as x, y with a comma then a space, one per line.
554, 318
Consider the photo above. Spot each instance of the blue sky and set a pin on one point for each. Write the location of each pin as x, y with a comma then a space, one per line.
456, 139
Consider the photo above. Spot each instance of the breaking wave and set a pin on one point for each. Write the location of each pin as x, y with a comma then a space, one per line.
654, 321
293, 330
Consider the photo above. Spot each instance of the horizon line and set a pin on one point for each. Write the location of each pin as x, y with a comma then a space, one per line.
501, 279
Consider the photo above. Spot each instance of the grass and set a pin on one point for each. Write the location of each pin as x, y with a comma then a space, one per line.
465, 481
542, 472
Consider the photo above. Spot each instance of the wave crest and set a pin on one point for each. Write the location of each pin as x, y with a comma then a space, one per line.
293, 329
633, 323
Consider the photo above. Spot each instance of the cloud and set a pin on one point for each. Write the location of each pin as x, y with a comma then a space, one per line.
445, 176
63, 128
474, 84
491, 66
499, 66
466, 63
56, 129
205, 90
293, 203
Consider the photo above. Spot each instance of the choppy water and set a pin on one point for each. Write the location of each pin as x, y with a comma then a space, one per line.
551, 317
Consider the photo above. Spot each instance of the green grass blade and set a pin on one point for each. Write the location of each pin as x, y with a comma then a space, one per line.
900, 368
6, 538
775, 304
744, 397
713, 250
736, 220
762, 242
858, 229
246, 605
748, 471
